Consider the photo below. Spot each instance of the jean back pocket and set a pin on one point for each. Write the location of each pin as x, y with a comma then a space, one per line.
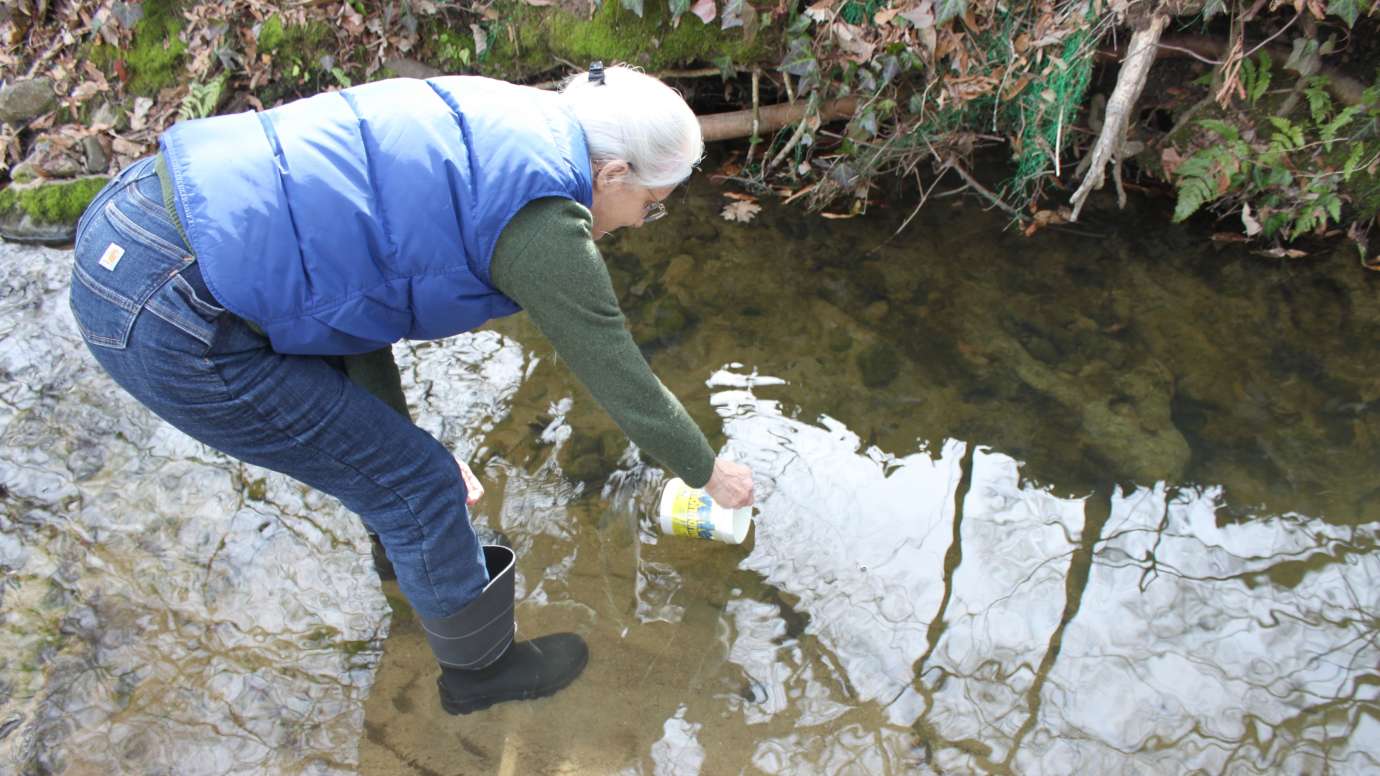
125, 254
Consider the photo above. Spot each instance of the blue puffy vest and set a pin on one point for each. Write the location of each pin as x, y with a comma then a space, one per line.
346, 221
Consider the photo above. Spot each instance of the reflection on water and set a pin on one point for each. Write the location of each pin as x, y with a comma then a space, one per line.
1027, 506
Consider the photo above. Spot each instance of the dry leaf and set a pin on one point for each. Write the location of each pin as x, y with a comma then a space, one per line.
1229, 237
921, 15
127, 148
139, 116
481, 39
705, 9
1170, 159
821, 11
741, 211
850, 39
1281, 253
1248, 221
85, 91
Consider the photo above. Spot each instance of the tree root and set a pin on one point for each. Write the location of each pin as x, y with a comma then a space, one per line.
1129, 83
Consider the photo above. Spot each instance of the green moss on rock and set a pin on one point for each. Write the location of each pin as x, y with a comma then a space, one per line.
535, 37
52, 203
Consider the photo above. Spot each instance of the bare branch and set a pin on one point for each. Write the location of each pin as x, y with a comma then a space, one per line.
1129, 83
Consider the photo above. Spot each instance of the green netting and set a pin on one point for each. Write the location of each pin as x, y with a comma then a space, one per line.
1041, 116
1048, 107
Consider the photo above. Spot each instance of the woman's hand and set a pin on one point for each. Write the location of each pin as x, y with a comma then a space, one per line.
473, 490
730, 485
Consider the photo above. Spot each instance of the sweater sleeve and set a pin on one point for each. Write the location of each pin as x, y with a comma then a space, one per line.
546, 261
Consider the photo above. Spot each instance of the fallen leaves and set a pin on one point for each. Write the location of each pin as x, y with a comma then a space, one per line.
1281, 253
742, 209
705, 9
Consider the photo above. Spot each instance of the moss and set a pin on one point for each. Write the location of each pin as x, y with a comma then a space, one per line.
355, 647
154, 59
307, 43
271, 33
52, 203
536, 37
299, 51
402, 610
257, 490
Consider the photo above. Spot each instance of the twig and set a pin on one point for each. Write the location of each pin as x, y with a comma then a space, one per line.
924, 197
754, 139
795, 138
1188, 51
954, 165
1188, 115
1262, 44
44, 57
1255, 9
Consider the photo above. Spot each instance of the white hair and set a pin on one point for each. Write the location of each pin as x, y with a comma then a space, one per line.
634, 117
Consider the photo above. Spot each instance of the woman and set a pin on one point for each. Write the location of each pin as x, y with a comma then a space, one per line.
220, 282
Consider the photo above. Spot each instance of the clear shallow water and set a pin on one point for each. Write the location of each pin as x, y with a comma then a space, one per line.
1030, 506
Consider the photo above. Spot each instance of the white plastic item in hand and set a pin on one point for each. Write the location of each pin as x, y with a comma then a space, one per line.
687, 511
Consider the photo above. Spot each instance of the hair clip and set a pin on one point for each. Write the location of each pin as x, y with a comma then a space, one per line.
596, 72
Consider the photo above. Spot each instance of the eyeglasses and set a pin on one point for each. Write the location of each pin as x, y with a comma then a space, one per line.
652, 211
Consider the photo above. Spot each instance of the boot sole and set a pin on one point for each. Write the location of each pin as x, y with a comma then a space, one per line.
452, 706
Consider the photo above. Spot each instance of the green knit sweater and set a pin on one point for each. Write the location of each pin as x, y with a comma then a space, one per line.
546, 261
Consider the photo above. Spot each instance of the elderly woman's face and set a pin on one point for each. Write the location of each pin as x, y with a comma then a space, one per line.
618, 202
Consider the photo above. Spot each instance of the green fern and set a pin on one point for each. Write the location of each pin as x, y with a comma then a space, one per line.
1353, 162
1255, 78
201, 99
1288, 136
1328, 132
1197, 184
1319, 101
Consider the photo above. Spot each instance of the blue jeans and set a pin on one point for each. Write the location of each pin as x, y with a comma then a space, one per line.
148, 319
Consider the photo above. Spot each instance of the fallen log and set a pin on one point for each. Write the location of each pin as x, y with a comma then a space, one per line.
770, 118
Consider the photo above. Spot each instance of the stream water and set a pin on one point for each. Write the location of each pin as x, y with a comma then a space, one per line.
1098, 501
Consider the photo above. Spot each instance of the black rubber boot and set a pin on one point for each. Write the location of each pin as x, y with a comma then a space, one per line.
481, 664
529, 669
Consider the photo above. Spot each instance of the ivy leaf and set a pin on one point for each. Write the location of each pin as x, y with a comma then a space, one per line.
733, 14
725, 65
1346, 10
945, 10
